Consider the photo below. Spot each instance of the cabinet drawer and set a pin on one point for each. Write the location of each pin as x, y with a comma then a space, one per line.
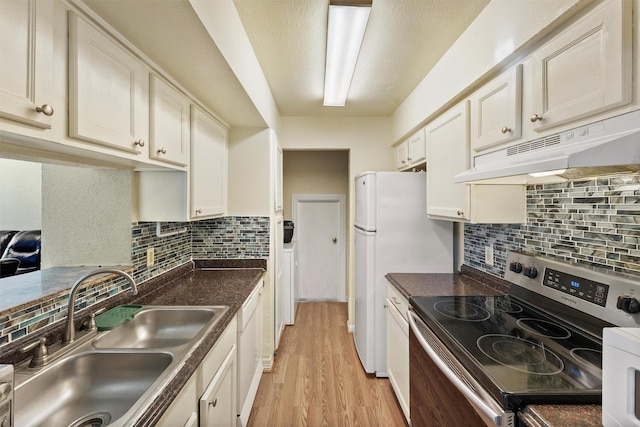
399, 301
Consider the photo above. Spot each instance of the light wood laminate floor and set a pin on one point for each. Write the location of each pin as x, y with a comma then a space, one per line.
318, 379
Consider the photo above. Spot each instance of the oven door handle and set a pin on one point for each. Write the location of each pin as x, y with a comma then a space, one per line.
495, 416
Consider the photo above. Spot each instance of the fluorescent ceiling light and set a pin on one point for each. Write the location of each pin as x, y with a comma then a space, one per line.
344, 38
547, 173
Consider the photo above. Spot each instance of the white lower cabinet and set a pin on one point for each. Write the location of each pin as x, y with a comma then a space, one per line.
210, 393
398, 347
217, 381
249, 352
218, 402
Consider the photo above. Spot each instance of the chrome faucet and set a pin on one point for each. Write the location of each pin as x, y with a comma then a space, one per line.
70, 329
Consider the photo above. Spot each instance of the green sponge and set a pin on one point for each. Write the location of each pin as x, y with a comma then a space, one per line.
117, 315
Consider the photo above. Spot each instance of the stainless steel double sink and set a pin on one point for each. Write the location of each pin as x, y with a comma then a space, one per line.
111, 378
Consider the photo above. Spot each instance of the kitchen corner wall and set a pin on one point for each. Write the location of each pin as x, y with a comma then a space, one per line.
594, 222
237, 237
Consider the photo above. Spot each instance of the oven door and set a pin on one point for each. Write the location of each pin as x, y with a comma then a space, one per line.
435, 375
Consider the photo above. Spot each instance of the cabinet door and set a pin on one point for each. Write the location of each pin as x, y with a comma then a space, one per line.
208, 173
402, 155
584, 70
108, 89
417, 148
448, 155
218, 403
26, 55
398, 355
496, 111
168, 123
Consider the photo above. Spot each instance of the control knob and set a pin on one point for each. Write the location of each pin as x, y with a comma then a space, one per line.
530, 272
516, 267
628, 304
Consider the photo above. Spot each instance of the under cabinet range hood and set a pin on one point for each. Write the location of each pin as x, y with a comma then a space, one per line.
607, 147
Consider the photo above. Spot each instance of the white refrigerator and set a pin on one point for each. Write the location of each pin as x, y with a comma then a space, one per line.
392, 235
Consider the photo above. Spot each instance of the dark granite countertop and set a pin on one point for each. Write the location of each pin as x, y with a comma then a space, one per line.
434, 284
561, 416
474, 282
222, 286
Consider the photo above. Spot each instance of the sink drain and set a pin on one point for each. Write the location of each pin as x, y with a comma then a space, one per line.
97, 419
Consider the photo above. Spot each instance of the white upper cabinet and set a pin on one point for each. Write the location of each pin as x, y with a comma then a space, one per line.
411, 152
496, 111
26, 55
585, 69
208, 175
168, 123
108, 90
447, 155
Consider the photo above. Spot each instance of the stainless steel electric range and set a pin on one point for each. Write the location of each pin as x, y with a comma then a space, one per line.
542, 343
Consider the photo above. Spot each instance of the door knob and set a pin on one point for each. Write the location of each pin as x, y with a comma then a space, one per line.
334, 240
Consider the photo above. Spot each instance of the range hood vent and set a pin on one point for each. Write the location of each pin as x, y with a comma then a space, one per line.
537, 144
607, 147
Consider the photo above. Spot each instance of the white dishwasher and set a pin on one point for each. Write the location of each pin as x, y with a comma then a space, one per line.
249, 352
290, 278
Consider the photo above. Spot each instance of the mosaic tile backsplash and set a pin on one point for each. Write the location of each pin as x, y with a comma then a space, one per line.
230, 237
594, 222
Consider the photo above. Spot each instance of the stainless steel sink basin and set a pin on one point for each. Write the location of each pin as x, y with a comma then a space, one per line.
88, 389
111, 378
160, 327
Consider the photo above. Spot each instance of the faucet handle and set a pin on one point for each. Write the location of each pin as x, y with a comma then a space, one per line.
40, 354
90, 325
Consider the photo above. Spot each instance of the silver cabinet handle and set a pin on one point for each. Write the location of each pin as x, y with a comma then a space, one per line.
213, 402
162, 151
493, 414
198, 211
139, 143
460, 213
506, 129
334, 240
395, 300
535, 118
45, 109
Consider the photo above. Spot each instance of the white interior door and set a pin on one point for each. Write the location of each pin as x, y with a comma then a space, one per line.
320, 232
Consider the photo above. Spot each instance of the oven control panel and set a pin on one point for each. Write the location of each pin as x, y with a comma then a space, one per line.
585, 289
605, 294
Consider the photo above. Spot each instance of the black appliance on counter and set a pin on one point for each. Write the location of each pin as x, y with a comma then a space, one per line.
288, 227
542, 343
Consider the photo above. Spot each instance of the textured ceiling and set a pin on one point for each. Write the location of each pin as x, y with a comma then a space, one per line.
403, 40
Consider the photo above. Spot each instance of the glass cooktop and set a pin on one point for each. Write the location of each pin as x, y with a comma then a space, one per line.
517, 352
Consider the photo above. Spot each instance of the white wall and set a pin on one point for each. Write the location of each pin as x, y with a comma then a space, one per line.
20, 195
366, 138
503, 27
